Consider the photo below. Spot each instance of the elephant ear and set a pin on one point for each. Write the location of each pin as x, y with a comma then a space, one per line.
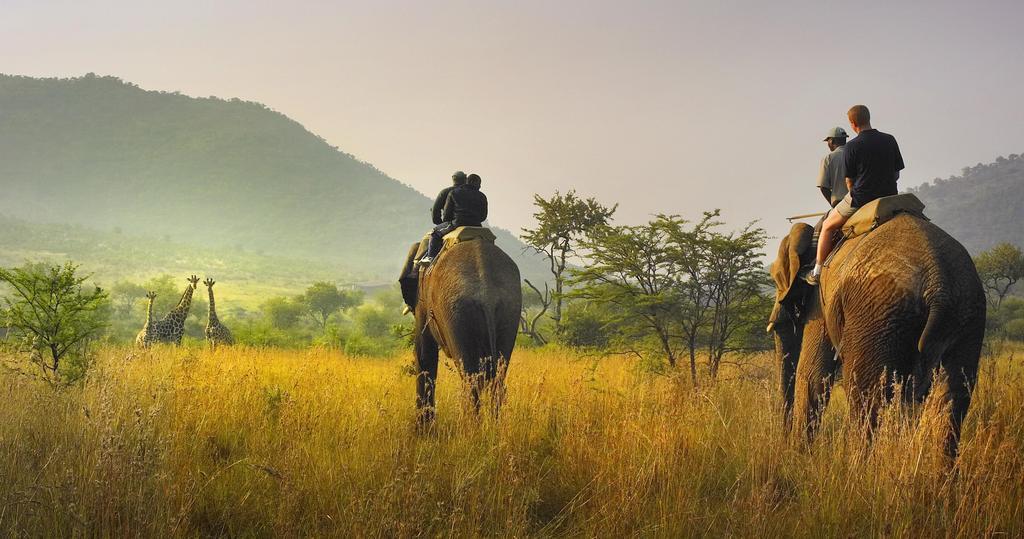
794, 252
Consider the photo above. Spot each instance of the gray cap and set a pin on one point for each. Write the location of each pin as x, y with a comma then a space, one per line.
836, 132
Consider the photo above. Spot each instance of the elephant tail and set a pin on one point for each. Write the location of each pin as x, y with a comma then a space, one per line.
937, 335
492, 332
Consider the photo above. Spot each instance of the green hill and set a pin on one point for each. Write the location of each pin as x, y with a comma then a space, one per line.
982, 206
221, 174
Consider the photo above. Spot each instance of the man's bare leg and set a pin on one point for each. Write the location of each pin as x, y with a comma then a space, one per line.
833, 223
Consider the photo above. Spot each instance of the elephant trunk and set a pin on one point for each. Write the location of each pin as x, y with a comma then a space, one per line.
787, 352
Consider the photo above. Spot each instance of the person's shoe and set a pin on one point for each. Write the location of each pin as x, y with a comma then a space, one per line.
811, 275
406, 310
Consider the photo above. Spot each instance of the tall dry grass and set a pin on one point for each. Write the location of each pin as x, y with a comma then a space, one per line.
248, 442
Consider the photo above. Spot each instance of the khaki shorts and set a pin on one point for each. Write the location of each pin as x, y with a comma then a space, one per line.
845, 207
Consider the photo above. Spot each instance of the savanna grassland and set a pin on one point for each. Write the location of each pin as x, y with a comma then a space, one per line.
263, 442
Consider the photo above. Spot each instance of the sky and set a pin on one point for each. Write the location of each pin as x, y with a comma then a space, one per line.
661, 107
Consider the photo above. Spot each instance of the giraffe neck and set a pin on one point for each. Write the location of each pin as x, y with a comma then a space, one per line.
213, 309
181, 310
149, 317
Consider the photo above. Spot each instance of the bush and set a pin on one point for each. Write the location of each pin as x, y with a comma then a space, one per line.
53, 319
262, 333
283, 313
1006, 320
361, 345
1015, 329
373, 322
375, 330
583, 326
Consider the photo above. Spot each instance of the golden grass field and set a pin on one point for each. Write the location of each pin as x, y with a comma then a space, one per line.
247, 442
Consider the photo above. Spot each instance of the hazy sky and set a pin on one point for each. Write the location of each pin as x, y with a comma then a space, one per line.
669, 107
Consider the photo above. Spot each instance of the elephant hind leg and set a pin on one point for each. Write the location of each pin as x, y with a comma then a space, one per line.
426, 379
960, 364
498, 386
815, 374
485, 379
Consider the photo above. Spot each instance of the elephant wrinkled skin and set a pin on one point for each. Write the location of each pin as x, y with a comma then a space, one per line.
899, 304
468, 304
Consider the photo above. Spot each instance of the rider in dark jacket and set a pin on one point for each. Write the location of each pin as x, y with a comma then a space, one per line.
466, 206
458, 178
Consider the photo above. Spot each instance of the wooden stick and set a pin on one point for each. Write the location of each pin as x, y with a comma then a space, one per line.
795, 217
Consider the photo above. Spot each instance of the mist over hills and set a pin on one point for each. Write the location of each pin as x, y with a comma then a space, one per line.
102, 153
231, 177
981, 207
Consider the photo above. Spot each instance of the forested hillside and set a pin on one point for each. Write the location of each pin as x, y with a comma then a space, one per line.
981, 207
103, 153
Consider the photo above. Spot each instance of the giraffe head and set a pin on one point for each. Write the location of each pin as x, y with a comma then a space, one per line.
209, 282
194, 281
151, 295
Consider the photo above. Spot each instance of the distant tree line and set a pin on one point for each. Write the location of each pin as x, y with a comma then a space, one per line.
324, 314
51, 318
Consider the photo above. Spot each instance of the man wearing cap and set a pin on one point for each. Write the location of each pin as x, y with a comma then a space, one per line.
832, 176
873, 163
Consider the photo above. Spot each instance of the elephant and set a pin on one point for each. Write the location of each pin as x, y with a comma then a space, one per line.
898, 304
467, 303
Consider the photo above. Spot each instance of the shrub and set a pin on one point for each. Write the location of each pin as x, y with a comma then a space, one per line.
583, 326
52, 318
1015, 329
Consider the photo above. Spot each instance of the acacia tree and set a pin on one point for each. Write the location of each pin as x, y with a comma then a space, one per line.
564, 222
322, 299
736, 284
688, 252
1000, 268
51, 315
629, 270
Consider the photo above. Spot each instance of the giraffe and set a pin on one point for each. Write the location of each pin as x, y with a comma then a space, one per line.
145, 337
172, 327
216, 333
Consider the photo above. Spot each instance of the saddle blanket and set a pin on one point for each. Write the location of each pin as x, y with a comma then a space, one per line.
468, 233
871, 215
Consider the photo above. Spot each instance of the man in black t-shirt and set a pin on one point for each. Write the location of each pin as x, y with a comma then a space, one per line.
873, 164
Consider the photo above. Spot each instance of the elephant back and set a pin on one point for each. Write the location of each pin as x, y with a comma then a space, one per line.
470, 269
898, 260
473, 285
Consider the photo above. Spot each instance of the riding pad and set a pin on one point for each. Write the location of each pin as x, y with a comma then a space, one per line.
468, 233
880, 210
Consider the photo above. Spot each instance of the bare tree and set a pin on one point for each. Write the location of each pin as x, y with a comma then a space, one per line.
528, 322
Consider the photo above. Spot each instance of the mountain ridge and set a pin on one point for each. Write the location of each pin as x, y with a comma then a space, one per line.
981, 207
103, 153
